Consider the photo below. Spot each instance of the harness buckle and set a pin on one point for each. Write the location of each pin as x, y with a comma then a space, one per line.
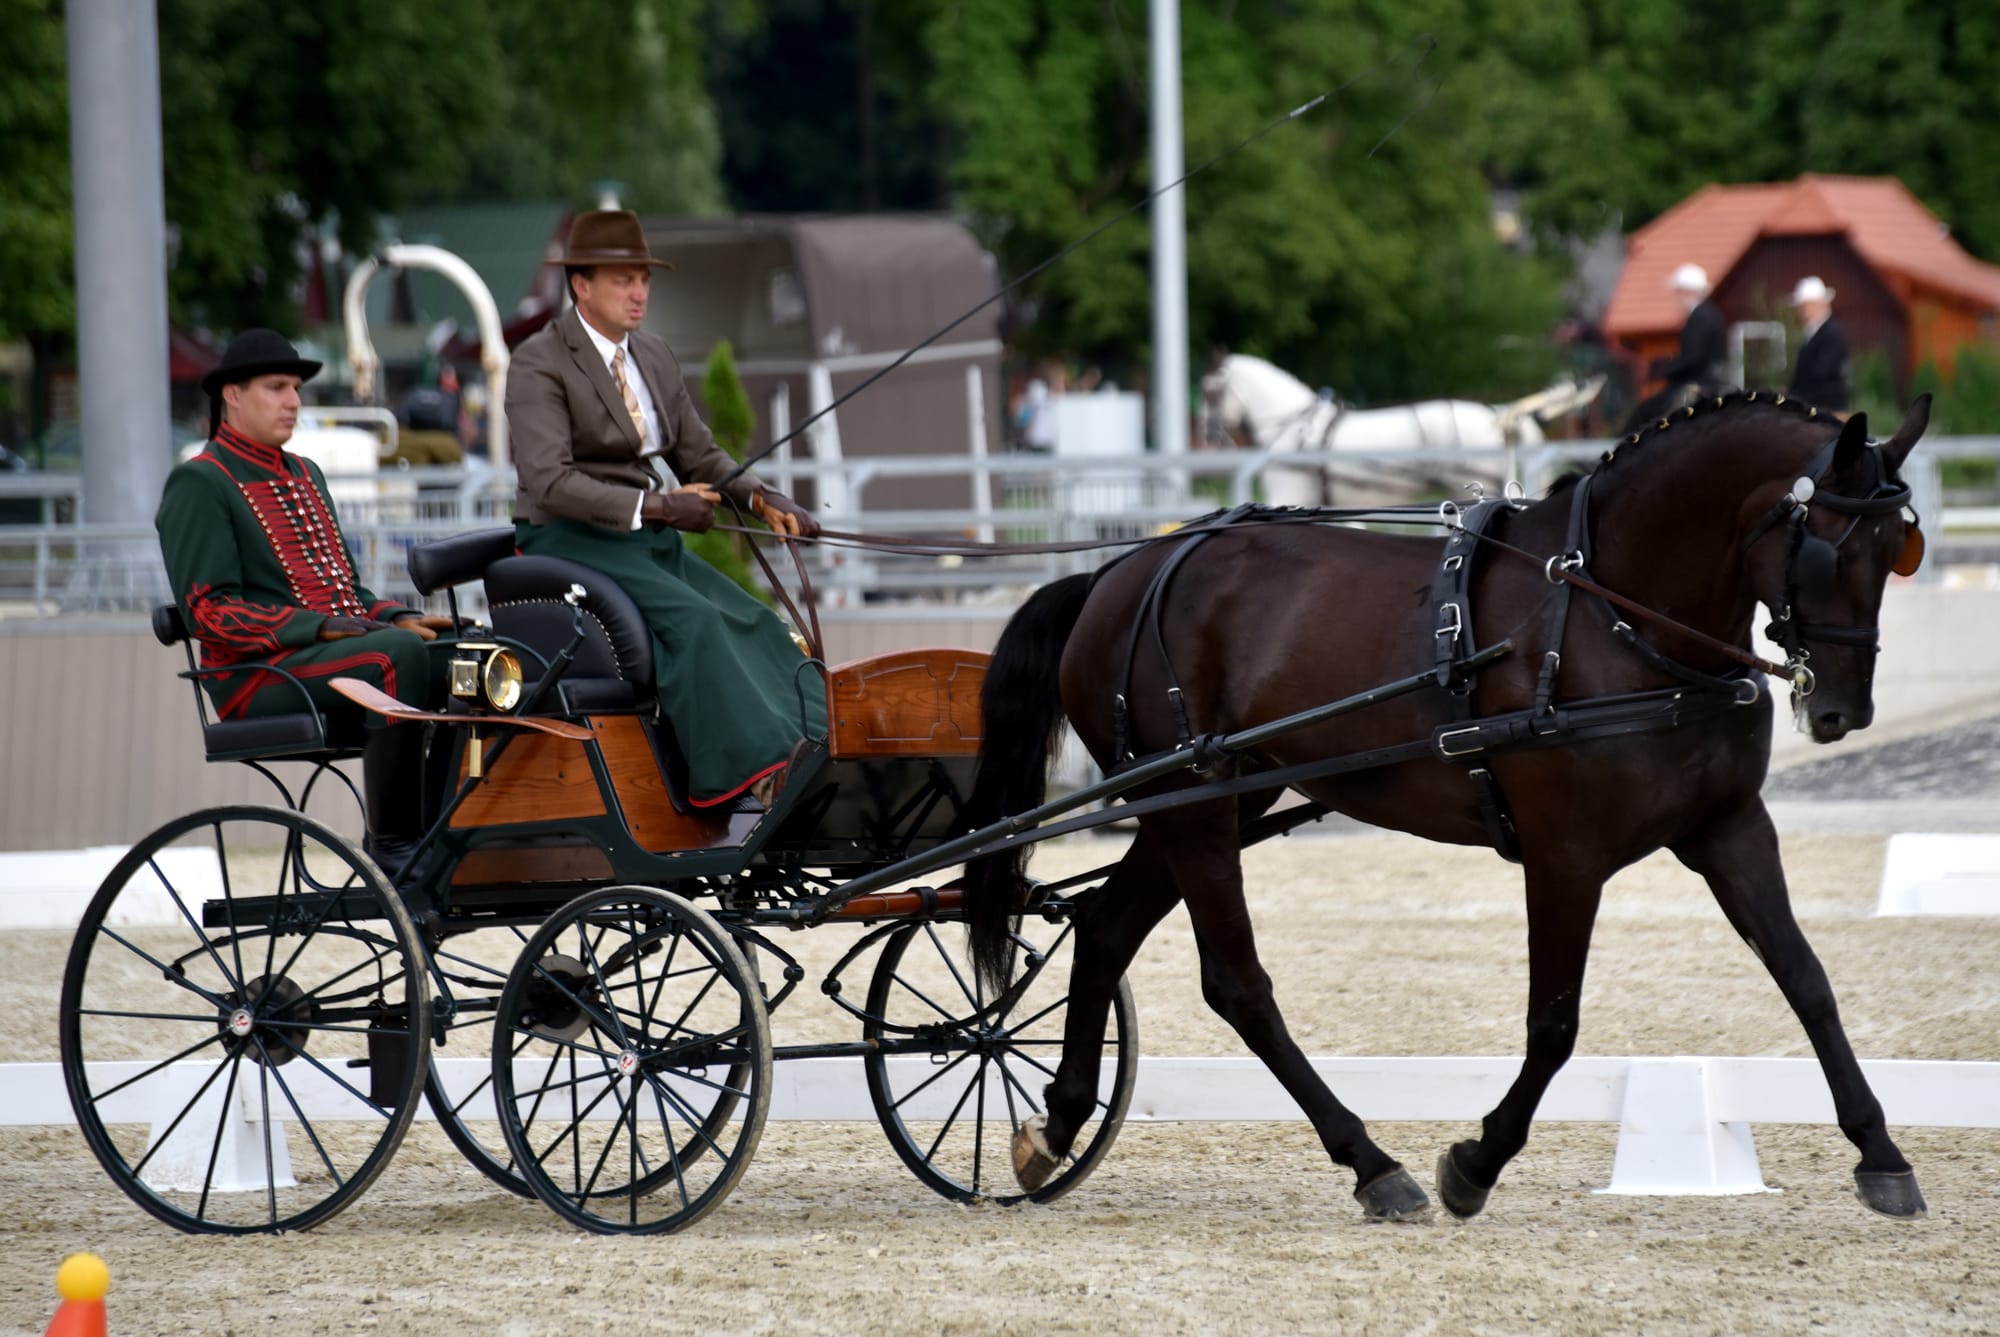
1515, 494
1449, 623
1445, 737
1562, 561
1455, 561
1449, 514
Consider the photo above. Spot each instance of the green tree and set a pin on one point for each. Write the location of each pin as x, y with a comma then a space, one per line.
283, 124
730, 416
1378, 273
36, 237
589, 91
733, 422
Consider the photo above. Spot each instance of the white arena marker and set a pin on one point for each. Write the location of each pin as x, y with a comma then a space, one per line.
1927, 874
51, 888
1671, 1142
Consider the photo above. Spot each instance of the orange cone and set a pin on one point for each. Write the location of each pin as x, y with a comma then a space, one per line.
82, 1281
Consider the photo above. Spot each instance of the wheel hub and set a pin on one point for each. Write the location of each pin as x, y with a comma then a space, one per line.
270, 1019
553, 1011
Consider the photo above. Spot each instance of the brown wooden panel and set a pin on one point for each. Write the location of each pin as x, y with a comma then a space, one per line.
642, 793
538, 778
566, 863
908, 703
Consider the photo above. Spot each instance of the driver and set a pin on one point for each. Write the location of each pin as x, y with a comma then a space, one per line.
614, 465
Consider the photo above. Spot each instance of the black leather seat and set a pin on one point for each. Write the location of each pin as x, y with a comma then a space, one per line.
308, 735
527, 602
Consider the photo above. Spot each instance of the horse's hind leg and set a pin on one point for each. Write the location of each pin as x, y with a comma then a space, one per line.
1738, 855
1562, 907
1204, 852
1111, 924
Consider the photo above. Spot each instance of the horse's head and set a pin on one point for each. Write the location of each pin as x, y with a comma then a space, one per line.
1224, 414
1819, 558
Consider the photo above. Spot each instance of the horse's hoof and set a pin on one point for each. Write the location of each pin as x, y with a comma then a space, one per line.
1890, 1192
1392, 1196
1460, 1196
1033, 1161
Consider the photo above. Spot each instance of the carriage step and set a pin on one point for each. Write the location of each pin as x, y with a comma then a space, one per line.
302, 910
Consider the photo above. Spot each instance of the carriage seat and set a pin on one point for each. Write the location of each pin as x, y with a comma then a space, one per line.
525, 599
613, 669
308, 735
612, 672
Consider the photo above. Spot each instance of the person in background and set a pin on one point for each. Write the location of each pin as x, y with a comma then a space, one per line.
429, 429
1703, 359
1701, 365
1821, 377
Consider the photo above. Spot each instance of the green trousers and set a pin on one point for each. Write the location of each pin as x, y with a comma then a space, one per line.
401, 663
731, 680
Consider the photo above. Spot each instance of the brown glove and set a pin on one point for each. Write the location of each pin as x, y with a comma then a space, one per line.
340, 628
784, 515
691, 508
424, 626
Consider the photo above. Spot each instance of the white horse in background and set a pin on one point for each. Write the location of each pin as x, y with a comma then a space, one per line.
1248, 397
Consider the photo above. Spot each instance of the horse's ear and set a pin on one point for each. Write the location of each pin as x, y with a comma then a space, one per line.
1853, 440
1898, 447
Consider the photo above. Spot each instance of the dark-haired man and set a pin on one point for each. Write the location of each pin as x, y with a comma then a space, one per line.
257, 563
614, 463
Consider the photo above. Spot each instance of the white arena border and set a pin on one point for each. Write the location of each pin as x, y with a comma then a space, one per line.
1684, 1122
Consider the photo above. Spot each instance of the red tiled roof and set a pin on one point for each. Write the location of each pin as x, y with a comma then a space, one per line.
1887, 225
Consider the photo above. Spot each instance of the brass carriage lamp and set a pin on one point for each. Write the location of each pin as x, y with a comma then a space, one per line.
487, 673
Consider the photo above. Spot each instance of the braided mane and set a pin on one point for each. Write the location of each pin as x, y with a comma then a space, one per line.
1704, 408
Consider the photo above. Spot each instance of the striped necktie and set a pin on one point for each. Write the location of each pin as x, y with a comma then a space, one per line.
625, 393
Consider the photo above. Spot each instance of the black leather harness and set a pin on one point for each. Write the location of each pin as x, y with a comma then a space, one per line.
1464, 739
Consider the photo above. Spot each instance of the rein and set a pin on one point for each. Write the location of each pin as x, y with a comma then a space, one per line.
1814, 554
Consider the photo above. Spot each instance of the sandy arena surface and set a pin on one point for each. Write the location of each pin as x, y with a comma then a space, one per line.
1379, 945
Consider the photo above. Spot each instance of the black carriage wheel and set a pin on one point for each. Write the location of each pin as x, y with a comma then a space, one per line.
632, 1062
474, 964
953, 1119
244, 1035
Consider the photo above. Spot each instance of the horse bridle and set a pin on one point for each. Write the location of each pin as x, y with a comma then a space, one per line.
1812, 562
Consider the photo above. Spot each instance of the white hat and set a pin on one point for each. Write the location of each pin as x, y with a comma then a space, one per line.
1689, 278
1810, 289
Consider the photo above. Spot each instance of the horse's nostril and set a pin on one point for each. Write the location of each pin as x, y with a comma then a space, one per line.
1833, 721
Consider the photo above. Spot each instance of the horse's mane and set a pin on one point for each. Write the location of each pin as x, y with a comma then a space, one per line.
1704, 412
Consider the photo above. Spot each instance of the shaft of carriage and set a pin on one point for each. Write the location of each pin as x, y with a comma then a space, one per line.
1202, 752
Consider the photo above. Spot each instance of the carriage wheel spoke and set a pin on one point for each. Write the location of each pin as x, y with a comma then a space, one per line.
140, 1169
200, 1044
285, 1090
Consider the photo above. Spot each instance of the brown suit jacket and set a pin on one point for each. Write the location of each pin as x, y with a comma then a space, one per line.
575, 449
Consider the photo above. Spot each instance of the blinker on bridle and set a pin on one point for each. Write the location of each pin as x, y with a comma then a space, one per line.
1812, 562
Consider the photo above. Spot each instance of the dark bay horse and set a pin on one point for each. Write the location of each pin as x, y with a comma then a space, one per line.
1694, 520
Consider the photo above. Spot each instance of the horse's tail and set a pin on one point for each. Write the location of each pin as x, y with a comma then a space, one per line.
1022, 714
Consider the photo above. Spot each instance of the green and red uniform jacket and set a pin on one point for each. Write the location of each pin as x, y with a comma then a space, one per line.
256, 559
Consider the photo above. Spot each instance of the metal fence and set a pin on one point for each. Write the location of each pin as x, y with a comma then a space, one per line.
52, 566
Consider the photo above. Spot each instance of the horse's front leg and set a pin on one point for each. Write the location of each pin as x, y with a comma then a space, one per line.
1562, 908
1738, 854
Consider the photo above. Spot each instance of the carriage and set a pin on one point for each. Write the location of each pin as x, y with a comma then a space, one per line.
247, 1042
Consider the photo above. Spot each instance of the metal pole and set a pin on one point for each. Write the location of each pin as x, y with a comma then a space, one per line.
121, 250
1170, 338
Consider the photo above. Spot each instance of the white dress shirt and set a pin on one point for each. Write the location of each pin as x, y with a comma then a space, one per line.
650, 448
